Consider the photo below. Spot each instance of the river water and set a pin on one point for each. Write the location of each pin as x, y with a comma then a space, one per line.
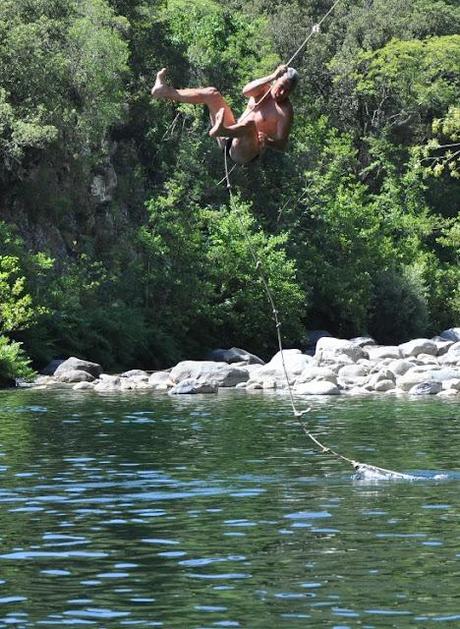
215, 511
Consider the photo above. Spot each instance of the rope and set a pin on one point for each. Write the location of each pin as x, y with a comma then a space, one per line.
298, 414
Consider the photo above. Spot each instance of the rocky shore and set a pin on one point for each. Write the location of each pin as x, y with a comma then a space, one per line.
334, 367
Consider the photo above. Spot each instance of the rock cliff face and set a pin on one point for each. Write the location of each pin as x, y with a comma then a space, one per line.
72, 208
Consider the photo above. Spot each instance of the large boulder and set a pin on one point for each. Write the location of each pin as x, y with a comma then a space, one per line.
426, 388
190, 386
220, 374
353, 374
160, 377
75, 375
330, 348
418, 346
399, 366
234, 355
272, 375
74, 363
418, 375
313, 337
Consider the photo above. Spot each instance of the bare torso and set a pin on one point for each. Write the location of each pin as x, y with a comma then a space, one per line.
269, 117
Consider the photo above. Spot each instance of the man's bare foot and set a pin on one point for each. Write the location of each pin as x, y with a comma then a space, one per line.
217, 129
160, 89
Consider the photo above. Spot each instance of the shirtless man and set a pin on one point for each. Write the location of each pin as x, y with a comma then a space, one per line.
265, 123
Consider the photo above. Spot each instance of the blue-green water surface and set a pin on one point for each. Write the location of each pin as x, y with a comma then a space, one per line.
215, 511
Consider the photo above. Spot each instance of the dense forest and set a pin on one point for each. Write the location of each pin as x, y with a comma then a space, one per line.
117, 240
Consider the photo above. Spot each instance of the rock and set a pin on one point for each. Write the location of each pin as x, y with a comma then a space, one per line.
358, 391
449, 393
384, 375
384, 385
294, 361
362, 341
108, 383
452, 334
311, 372
191, 386
44, 380
272, 376
241, 385
442, 345
76, 363
135, 373
383, 351
329, 348
74, 375
234, 355
161, 387
454, 383
317, 387
83, 386
418, 376
220, 374
352, 373
160, 377
399, 367
51, 367
427, 359
425, 388
253, 386
418, 346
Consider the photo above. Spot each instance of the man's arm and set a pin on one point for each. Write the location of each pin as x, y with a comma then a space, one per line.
257, 87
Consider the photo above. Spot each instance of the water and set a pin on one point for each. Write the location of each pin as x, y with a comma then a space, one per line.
215, 511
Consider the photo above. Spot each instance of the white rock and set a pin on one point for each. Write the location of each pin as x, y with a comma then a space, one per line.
221, 374
160, 377
418, 346
399, 367
442, 345
253, 386
449, 393
135, 373
453, 383
83, 386
351, 373
241, 385
316, 373
383, 351
193, 386
294, 361
362, 341
427, 359
161, 387
317, 387
384, 385
329, 348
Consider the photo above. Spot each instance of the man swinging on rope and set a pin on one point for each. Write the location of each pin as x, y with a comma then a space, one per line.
265, 123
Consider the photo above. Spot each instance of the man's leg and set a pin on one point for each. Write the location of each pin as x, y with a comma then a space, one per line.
246, 145
209, 96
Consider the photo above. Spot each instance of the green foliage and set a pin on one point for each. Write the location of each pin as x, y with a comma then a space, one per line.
352, 231
13, 362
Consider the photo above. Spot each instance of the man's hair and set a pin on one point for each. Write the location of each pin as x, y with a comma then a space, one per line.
293, 77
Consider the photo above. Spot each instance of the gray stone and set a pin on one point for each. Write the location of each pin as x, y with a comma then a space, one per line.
75, 375
383, 351
329, 348
452, 334
426, 388
221, 374
317, 387
191, 386
234, 355
399, 367
442, 345
73, 363
418, 346
108, 383
384, 385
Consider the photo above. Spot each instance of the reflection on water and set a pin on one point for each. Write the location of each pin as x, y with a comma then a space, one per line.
215, 511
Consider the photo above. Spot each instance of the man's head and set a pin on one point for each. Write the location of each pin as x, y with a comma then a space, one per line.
284, 85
